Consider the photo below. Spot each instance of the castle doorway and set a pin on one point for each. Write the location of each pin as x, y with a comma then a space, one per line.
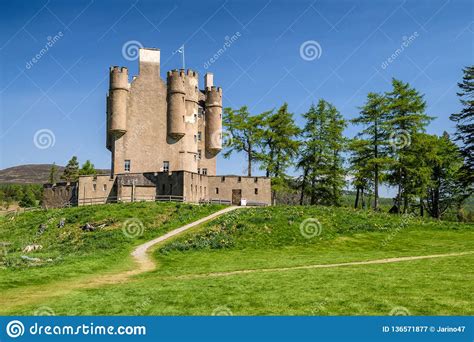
236, 196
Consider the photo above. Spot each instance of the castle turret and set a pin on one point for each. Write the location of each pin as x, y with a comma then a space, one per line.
176, 103
213, 119
117, 101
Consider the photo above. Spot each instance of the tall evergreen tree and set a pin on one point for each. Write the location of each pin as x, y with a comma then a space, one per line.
246, 134
52, 173
406, 117
373, 116
71, 172
87, 169
465, 125
280, 145
320, 154
362, 176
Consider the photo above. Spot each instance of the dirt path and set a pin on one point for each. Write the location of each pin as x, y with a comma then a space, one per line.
305, 267
143, 263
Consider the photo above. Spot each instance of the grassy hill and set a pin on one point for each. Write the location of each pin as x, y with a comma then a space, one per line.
271, 252
32, 174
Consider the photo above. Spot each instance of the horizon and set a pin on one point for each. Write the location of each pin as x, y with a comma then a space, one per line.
295, 52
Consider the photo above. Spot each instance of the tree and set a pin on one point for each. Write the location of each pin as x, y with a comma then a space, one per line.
28, 200
246, 132
362, 177
87, 169
406, 117
336, 140
280, 145
320, 154
465, 126
71, 172
52, 173
372, 154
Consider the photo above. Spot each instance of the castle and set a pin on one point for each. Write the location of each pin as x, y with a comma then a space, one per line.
164, 138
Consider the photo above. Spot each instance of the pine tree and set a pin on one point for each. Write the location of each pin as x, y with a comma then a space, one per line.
246, 134
372, 154
465, 125
362, 176
280, 143
406, 117
71, 172
320, 154
52, 173
87, 169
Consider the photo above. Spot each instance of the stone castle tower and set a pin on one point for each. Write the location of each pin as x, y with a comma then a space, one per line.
153, 125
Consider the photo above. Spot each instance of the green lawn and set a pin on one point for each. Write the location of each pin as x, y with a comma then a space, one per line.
271, 238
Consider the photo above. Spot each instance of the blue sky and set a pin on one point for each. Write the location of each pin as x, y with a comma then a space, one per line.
64, 90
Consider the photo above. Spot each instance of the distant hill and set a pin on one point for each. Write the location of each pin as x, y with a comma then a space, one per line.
32, 174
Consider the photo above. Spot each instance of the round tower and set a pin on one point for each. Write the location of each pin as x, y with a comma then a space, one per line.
176, 103
118, 97
214, 119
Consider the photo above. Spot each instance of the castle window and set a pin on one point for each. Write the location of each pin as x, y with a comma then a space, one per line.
127, 165
195, 138
94, 186
256, 191
166, 166
199, 170
104, 187
199, 154
199, 136
204, 171
255, 179
195, 117
239, 179
223, 179
217, 191
205, 191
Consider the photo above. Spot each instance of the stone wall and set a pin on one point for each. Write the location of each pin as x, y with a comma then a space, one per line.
59, 195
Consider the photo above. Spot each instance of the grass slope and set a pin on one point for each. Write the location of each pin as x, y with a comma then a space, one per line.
271, 237
69, 252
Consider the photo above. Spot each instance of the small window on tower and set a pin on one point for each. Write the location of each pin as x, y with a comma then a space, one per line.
195, 138
104, 187
204, 171
217, 191
127, 165
199, 170
199, 136
199, 154
166, 166
239, 179
256, 191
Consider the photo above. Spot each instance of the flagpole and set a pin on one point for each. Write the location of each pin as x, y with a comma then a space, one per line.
184, 65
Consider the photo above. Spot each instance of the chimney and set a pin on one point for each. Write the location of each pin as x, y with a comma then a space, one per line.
208, 80
149, 61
